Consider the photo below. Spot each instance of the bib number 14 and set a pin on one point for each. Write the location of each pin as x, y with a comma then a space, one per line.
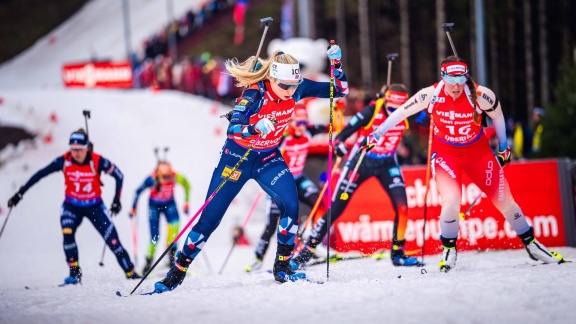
86, 188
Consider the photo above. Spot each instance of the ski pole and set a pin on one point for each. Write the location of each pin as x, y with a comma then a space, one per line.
102, 258
134, 227
244, 157
330, 150
101, 263
345, 195
252, 208
464, 214
207, 261
5, 221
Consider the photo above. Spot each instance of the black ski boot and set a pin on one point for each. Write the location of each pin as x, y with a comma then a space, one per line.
176, 275
282, 271
75, 276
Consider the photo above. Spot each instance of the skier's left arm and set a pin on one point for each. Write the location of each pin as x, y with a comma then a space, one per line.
104, 165
310, 88
489, 104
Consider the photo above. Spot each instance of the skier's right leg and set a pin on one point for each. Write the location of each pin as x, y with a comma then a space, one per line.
70, 220
172, 227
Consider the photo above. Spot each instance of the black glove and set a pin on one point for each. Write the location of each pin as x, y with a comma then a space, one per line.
116, 206
340, 148
12, 202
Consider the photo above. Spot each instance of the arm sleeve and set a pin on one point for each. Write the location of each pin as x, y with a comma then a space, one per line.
310, 88
361, 119
240, 121
415, 104
54, 166
106, 166
148, 182
491, 106
180, 179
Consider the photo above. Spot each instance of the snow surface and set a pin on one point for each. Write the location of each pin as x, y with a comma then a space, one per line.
485, 287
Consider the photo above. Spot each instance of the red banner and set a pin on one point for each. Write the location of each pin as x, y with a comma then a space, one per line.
98, 74
366, 224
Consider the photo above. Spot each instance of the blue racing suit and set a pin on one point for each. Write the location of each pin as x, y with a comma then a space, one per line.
264, 163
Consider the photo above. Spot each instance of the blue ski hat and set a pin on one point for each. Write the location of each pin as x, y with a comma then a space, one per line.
78, 140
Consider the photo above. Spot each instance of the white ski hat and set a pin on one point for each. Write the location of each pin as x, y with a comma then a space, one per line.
285, 72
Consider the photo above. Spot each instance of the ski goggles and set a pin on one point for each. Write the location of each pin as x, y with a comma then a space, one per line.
301, 123
454, 79
288, 86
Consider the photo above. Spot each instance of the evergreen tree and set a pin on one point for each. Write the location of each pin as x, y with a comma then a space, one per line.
559, 135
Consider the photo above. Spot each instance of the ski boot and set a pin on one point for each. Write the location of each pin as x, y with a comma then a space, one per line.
147, 266
132, 274
257, 265
300, 261
400, 259
75, 276
282, 270
449, 254
537, 251
176, 275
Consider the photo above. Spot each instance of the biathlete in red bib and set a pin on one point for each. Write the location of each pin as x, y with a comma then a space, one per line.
456, 106
294, 148
81, 168
263, 112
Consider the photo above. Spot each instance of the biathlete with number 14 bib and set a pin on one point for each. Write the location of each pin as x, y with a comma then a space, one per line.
82, 198
258, 121
456, 106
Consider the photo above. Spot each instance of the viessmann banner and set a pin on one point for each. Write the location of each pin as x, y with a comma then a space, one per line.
538, 187
98, 75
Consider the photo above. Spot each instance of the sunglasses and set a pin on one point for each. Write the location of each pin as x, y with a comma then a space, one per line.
286, 86
301, 123
454, 79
